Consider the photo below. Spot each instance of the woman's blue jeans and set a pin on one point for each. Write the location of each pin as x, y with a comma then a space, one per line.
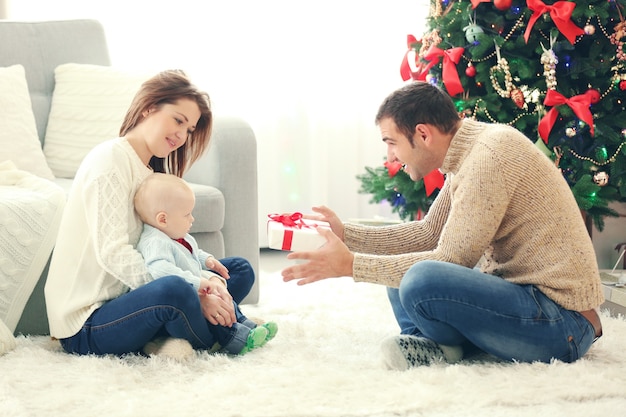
168, 306
454, 305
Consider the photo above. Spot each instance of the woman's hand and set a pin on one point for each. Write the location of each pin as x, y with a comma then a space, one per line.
216, 302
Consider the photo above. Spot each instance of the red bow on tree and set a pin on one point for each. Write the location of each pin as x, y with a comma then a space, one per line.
451, 57
405, 67
560, 12
392, 168
579, 104
475, 3
434, 179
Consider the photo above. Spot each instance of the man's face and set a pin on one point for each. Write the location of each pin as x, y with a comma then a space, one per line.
418, 159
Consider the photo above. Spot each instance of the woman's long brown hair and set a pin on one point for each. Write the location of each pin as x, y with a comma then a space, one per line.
168, 87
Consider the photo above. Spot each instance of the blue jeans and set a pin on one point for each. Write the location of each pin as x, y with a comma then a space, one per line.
455, 306
168, 306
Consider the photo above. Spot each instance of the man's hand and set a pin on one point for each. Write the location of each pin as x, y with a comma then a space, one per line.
329, 216
334, 259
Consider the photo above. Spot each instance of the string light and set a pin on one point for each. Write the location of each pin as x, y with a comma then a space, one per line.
517, 24
606, 162
491, 119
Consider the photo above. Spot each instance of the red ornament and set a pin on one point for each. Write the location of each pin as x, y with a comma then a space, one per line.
502, 4
470, 71
622, 85
518, 98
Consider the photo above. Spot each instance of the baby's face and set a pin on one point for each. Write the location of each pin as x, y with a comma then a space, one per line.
179, 217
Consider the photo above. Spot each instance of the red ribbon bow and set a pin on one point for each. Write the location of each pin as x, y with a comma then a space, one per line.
451, 57
432, 180
392, 168
579, 104
289, 220
405, 68
475, 3
560, 12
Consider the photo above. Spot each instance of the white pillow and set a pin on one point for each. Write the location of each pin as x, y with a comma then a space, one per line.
88, 106
18, 131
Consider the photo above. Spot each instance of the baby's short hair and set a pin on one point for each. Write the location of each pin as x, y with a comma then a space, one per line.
157, 192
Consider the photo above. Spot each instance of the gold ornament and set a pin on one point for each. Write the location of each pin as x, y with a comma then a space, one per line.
435, 8
616, 39
509, 90
589, 30
428, 40
549, 61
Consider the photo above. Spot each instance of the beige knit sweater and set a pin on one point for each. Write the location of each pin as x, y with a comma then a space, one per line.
503, 199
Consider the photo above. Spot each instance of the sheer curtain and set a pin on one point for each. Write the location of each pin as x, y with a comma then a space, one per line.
307, 76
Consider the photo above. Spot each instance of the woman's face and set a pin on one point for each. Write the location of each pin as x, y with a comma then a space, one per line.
168, 127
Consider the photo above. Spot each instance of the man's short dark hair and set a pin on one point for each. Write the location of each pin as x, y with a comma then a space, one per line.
419, 102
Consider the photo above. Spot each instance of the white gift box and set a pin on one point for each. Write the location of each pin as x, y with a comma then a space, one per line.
302, 236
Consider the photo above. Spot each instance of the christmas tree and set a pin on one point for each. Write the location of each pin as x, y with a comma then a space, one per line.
410, 199
555, 70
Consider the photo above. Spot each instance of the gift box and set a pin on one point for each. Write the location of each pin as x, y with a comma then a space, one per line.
290, 232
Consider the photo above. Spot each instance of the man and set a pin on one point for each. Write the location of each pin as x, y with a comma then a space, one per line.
536, 294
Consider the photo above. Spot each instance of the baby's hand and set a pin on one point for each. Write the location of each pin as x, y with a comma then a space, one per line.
215, 265
211, 287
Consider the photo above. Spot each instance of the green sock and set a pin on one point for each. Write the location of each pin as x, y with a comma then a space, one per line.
256, 338
272, 329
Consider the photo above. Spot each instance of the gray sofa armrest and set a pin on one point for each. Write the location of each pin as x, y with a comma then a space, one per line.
230, 165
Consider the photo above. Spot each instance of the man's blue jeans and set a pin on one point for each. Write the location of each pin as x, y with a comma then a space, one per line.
454, 305
167, 306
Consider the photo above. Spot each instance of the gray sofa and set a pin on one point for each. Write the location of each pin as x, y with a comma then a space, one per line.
225, 179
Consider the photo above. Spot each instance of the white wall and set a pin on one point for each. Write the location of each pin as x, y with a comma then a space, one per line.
308, 76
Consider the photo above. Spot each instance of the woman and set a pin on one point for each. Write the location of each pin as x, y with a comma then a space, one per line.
100, 297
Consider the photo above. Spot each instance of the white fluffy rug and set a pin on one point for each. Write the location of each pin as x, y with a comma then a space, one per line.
325, 361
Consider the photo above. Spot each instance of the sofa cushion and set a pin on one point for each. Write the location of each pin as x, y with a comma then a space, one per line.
209, 212
88, 106
18, 132
210, 209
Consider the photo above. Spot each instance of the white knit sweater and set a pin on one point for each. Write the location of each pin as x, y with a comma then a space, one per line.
94, 259
502, 199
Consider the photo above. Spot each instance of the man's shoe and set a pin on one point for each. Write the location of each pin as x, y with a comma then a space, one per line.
405, 351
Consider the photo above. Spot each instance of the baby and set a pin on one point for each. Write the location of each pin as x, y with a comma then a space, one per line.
164, 203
